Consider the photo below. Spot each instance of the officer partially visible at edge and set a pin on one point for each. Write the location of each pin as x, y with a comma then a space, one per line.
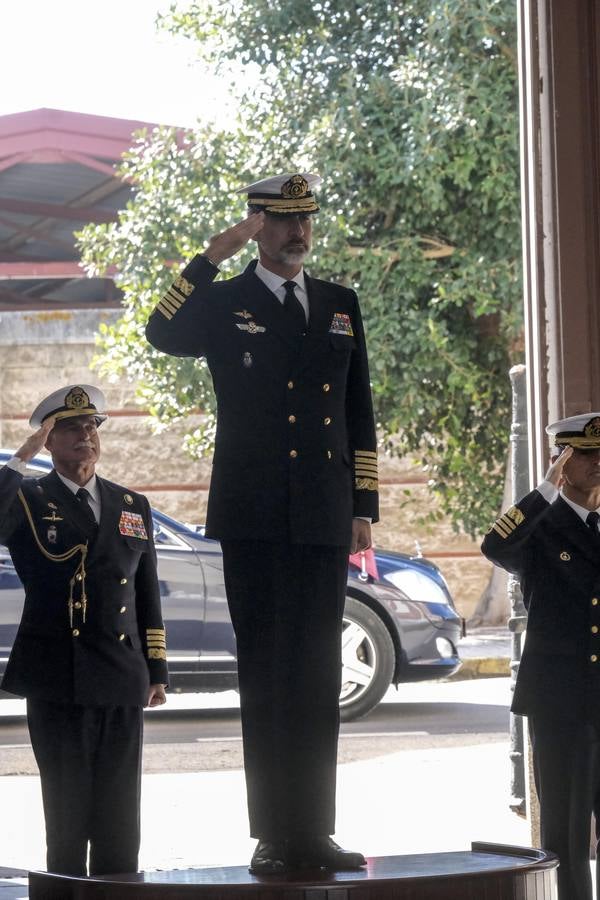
550, 539
90, 650
293, 490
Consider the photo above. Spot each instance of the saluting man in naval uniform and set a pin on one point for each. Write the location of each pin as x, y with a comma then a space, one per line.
293, 490
550, 539
90, 650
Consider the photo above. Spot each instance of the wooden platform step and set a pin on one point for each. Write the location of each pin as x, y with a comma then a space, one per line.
486, 872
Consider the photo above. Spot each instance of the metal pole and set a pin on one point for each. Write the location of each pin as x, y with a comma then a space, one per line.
518, 618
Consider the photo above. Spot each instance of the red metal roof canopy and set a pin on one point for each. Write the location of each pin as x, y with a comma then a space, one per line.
57, 172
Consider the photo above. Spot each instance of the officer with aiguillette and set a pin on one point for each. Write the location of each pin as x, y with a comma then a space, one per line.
90, 650
293, 490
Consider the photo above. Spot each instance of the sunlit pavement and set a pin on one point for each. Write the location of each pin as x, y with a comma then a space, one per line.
406, 802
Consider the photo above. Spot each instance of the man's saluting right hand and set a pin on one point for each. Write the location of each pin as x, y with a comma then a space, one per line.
36, 441
555, 471
229, 242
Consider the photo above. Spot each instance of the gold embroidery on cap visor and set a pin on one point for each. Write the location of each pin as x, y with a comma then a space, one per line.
588, 440
365, 470
156, 641
175, 297
69, 413
273, 204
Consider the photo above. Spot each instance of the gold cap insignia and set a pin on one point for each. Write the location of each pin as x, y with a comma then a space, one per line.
592, 429
77, 399
295, 187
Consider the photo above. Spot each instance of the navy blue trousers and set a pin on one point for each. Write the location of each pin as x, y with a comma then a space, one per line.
89, 759
566, 765
286, 603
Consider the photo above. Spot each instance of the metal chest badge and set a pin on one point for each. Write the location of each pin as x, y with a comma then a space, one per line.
251, 328
52, 533
247, 360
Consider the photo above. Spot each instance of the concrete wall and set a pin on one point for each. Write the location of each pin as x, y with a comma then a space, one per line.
41, 351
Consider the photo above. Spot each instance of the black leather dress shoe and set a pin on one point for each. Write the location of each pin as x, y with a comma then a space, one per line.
323, 853
269, 858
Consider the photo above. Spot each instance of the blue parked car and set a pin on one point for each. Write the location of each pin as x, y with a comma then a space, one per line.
399, 626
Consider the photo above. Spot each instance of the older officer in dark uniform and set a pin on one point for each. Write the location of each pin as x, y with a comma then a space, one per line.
90, 650
294, 488
550, 539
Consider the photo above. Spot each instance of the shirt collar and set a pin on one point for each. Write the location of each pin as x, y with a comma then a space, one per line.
274, 282
581, 511
91, 486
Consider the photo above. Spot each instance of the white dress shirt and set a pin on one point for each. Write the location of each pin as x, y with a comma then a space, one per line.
91, 487
275, 284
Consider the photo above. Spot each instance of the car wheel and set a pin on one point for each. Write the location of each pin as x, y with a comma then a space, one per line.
368, 659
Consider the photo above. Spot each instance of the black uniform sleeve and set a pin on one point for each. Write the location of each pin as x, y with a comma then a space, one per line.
11, 511
361, 426
178, 324
507, 542
147, 601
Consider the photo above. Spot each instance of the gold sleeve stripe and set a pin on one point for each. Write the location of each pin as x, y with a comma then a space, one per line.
371, 454
155, 653
176, 300
162, 631
507, 523
176, 295
367, 467
497, 526
164, 311
366, 484
168, 304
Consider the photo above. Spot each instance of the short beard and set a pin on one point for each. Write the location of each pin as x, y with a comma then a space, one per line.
293, 257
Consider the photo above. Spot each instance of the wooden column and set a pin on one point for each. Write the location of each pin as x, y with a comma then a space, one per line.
560, 141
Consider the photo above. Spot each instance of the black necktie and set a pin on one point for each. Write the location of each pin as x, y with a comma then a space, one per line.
84, 500
592, 523
293, 308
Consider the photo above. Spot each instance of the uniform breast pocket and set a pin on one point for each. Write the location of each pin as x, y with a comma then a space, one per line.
138, 544
342, 343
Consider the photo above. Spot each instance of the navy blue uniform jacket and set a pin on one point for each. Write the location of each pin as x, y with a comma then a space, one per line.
295, 452
557, 559
113, 656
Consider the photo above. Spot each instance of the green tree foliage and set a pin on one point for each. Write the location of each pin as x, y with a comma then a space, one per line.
409, 110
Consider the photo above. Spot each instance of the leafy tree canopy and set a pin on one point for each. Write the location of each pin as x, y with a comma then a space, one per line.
409, 111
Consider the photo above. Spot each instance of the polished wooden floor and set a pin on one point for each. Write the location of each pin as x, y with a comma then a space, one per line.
486, 872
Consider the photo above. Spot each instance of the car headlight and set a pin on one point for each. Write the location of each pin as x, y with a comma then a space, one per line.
417, 586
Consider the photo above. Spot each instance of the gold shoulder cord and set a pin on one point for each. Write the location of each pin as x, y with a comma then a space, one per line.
78, 575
